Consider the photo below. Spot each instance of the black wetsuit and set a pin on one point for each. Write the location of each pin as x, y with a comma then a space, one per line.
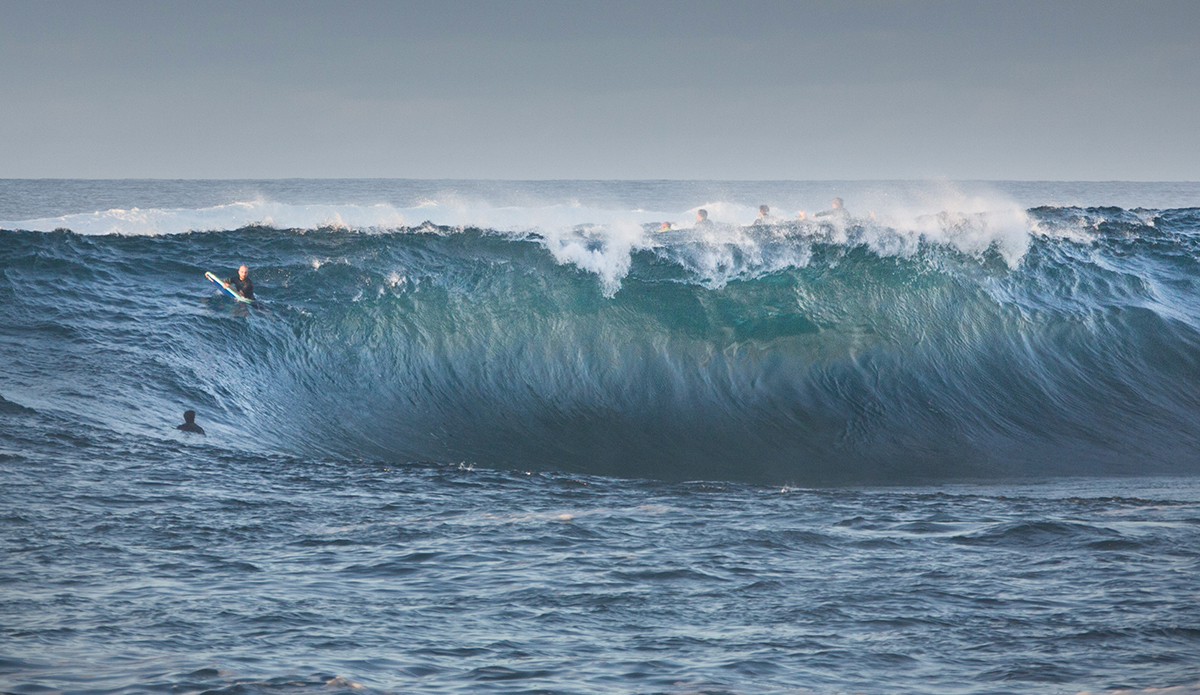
190, 427
244, 287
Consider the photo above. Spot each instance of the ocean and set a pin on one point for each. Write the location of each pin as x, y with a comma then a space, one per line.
512, 437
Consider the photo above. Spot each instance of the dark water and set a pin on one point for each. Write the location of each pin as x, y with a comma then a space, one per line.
502, 436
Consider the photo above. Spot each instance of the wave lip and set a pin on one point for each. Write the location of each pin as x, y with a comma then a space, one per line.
602, 241
232, 216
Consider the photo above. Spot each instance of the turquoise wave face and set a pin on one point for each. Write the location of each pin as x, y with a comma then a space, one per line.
798, 353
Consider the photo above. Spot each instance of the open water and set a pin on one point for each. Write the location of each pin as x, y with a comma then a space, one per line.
507, 437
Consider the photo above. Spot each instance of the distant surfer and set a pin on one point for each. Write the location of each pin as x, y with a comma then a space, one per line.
242, 283
837, 211
189, 420
665, 227
702, 221
765, 216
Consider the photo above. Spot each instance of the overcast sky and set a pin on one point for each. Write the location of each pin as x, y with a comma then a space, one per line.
1089, 90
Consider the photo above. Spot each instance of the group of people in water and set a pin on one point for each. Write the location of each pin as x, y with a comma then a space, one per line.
837, 210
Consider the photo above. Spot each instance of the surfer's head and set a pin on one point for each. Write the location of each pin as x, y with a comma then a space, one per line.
243, 272
701, 215
837, 203
764, 210
189, 416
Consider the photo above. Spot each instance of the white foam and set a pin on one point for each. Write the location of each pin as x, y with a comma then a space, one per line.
603, 241
153, 222
605, 251
972, 224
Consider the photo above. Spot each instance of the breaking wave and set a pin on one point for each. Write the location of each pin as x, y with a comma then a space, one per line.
985, 341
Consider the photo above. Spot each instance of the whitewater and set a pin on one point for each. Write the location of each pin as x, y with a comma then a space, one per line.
515, 437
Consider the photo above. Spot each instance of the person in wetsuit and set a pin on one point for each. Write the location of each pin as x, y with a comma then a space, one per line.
838, 211
189, 421
702, 221
765, 216
242, 283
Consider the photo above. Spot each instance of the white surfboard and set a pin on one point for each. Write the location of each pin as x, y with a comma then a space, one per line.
227, 289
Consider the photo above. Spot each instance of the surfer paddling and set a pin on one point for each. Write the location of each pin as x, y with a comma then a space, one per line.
189, 423
242, 283
765, 216
837, 211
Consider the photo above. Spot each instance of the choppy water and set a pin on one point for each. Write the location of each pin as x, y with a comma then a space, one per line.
450, 449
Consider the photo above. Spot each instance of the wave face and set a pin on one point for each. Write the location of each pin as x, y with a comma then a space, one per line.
975, 342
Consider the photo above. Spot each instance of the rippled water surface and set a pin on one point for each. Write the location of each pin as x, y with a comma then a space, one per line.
195, 570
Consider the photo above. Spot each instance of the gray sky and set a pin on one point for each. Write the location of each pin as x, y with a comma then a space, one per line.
683, 90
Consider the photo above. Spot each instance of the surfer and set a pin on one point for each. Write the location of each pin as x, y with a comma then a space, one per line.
837, 211
765, 216
189, 420
242, 283
702, 221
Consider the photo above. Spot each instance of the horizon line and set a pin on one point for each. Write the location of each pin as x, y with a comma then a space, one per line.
544, 180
